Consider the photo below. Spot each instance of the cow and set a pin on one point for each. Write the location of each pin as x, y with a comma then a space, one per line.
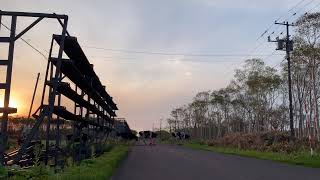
148, 135
180, 135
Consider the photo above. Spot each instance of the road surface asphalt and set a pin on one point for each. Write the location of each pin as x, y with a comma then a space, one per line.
171, 162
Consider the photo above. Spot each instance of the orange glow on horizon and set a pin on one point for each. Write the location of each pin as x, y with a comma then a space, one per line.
15, 103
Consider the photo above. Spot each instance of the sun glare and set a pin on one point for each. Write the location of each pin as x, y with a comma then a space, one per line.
14, 103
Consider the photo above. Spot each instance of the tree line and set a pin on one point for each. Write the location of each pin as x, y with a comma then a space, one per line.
256, 99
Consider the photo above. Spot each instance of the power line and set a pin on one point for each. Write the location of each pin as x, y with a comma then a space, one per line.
297, 5
271, 25
136, 60
278, 19
272, 54
317, 5
299, 10
29, 44
142, 52
277, 64
287, 46
313, 8
293, 15
127, 51
186, 54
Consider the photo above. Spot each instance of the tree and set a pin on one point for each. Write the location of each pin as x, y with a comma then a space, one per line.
306, 61
256, 98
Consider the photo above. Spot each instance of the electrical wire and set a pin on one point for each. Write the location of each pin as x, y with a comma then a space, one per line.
213, 55
318, 4
299, 10
135, 60
169, 53
271, 25
277, 64
278, 19
195, 55
28, 43
143, 52
295, 13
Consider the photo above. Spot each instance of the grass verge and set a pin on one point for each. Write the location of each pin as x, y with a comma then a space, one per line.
301, 158
98, 168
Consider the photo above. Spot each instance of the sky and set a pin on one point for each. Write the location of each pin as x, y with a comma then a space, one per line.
157, 54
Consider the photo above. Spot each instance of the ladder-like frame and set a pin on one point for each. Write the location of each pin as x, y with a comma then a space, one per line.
102, 110
6, 110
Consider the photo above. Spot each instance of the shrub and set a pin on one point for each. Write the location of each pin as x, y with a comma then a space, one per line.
273, 141
3, 172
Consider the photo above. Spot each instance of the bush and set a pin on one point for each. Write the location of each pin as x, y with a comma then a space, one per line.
3, 172
101, 167
272, 141
96, 168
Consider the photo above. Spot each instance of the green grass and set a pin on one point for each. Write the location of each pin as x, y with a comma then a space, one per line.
98, 168
301, 158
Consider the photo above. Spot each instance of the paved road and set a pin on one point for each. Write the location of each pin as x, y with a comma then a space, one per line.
166, 162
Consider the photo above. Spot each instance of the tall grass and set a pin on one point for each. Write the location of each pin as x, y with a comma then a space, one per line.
96, 168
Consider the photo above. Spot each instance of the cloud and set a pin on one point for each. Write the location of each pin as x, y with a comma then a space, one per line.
188, 74
146, 87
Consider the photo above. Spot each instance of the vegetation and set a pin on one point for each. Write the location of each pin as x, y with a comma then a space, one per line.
101, 167
256, 100
268, 141
163, 135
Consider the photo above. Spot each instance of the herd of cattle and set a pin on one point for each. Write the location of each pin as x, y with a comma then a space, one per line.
151, 136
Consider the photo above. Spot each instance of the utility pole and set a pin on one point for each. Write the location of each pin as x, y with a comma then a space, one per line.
287, 45
160, 127
33, 96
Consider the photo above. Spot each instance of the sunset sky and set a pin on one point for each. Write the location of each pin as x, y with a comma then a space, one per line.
146, 86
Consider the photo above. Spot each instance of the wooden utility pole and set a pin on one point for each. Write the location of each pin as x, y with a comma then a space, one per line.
33, 96
160, 122
287, 45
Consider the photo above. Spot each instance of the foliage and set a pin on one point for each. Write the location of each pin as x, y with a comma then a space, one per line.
271, 141
248, 104
37, 172
101, 167
97, 168
3, 172
256, 99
